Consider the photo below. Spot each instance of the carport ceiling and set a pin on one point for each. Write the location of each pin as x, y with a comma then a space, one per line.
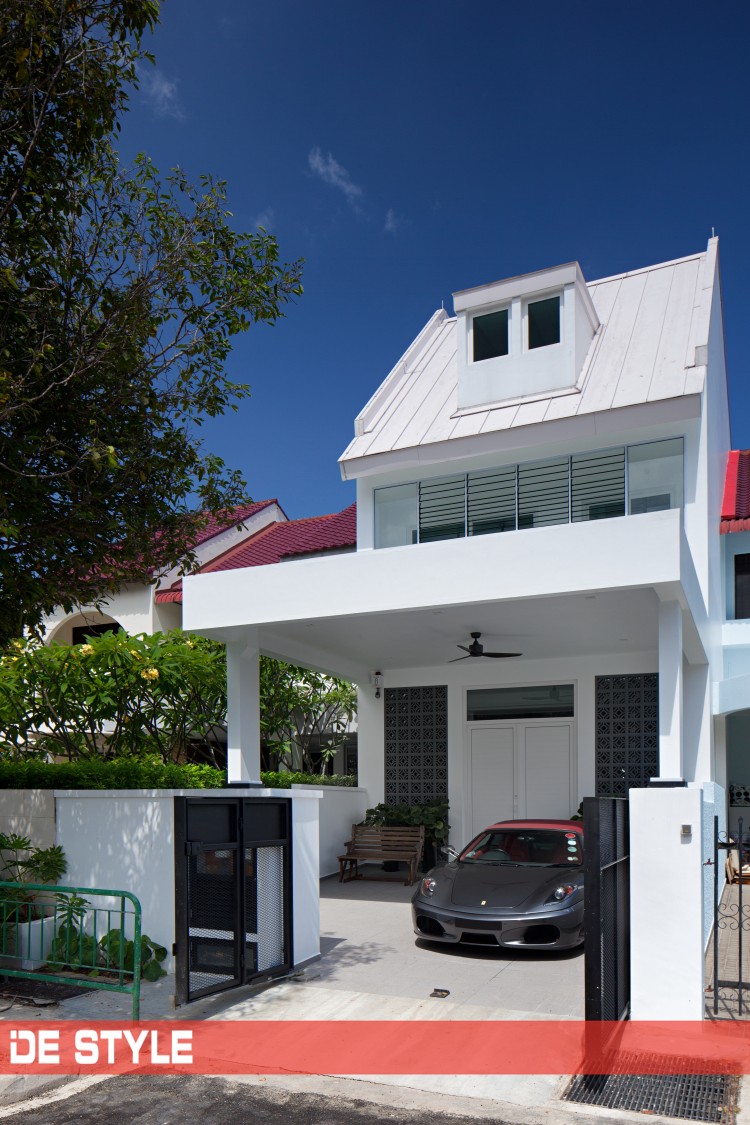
621, 621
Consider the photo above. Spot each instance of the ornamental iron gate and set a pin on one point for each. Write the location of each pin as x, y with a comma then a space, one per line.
729, 993
606, 875
233, 892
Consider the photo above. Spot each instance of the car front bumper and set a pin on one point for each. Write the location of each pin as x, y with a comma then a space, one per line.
560, 928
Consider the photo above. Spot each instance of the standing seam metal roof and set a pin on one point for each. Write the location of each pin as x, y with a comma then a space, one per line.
650, 346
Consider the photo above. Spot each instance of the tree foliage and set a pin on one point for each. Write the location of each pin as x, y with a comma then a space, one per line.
120, 294
157, 697
115, 696
305, 716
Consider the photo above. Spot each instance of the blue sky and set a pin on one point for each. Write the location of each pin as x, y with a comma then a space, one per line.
409, 149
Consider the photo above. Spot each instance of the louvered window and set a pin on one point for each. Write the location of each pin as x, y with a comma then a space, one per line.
442, 509
491, 501
543, 494
597, 485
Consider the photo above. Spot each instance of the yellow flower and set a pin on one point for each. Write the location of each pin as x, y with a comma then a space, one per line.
134, 652
86, 650
150, 674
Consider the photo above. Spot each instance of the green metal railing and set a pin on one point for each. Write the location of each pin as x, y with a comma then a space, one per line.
63, 930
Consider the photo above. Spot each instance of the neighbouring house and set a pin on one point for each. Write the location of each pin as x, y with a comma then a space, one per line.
541, 606
255, 535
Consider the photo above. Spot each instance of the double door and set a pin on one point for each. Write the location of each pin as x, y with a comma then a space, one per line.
521, 770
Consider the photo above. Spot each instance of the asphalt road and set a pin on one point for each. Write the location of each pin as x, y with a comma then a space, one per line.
214, 1101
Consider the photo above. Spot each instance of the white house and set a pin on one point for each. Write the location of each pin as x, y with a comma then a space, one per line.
545, 468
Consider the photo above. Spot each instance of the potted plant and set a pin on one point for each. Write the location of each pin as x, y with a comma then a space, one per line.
26, 930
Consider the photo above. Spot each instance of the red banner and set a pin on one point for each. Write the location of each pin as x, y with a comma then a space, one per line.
373, 1047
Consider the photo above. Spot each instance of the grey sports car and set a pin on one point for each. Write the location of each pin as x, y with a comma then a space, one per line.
519, 883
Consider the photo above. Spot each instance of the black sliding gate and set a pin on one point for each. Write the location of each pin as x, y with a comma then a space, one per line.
606, 866
233, 892
728, 995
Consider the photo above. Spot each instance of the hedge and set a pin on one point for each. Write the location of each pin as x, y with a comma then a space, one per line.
132, 773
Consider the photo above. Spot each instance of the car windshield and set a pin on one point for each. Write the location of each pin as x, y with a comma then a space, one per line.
526, 847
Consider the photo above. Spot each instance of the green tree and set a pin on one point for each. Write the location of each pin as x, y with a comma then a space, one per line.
305, 716
120, 295
117, 695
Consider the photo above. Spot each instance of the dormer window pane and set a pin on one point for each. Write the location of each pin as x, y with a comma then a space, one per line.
544, 322
490, 334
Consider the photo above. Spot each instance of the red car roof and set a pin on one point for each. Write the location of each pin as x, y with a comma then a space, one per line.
570, 825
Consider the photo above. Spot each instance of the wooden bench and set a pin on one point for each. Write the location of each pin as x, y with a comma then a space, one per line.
382, 843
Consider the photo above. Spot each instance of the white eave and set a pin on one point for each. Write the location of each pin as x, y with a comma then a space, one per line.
650, 348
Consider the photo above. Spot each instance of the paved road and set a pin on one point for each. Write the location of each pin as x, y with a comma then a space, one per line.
198, 1100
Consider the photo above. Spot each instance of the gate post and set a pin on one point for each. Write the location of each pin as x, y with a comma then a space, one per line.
666, 904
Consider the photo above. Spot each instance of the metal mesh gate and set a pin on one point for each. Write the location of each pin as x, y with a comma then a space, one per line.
607, 908
232, 892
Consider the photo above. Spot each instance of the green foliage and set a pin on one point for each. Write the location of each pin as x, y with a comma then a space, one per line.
122, 773
118, 696
433, 815
73, 948
285, 779
303, 712
122, 697
133, 773
121, 294
23, 862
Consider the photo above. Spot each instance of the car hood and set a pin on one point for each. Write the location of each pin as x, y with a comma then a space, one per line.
506, 887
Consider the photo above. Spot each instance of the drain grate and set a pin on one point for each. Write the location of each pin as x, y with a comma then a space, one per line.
692, 1097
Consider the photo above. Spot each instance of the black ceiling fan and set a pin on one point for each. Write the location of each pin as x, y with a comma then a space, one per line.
475, 649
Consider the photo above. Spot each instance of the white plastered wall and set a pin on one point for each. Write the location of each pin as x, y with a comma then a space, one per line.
581, 671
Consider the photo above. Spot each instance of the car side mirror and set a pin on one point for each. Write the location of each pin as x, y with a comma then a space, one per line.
449, 852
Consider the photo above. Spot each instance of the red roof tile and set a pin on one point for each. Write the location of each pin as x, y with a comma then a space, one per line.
735, 508
277, 541
238, 515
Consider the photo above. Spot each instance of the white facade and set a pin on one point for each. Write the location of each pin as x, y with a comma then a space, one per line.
624, 582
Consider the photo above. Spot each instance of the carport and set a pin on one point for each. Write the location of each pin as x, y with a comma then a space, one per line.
368, 948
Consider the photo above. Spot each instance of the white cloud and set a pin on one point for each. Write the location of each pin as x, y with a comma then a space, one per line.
265, 219
392, 221
331, 172
161, 93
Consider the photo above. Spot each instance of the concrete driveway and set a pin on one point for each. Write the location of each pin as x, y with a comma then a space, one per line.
368, 946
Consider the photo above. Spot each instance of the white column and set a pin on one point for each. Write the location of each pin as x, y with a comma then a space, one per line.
243, 710
670, 690
666, 904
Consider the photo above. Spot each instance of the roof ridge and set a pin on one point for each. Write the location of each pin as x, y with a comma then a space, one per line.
646, 269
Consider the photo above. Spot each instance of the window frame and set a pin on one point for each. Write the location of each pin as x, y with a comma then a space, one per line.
505, 306
535, 299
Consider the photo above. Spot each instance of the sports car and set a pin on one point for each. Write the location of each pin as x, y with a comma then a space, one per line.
519, 883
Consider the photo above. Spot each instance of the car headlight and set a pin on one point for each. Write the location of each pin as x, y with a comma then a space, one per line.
563, 892
428, 887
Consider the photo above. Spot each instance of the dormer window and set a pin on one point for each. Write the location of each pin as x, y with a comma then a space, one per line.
523, 337
490, 335
543, 322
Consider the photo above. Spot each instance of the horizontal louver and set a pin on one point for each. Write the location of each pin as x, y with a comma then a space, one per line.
543, 493
491, 500
442, 509
597, 482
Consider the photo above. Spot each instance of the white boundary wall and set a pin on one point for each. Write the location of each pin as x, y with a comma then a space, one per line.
340, 808
666, 904
29, 812
124, 840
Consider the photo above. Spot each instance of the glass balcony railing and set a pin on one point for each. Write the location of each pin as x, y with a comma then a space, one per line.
570, 489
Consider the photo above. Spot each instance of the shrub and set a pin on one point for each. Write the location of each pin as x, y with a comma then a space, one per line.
137, 773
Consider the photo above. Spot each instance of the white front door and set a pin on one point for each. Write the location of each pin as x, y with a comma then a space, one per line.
520, 770
493, 776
